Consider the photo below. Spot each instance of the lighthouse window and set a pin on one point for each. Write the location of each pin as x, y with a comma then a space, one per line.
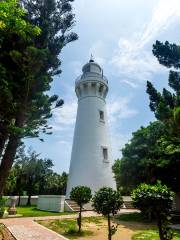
105, 154
101, 115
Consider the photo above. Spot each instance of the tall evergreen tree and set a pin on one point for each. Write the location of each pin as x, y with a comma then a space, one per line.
154, 152
166, 106
32, 67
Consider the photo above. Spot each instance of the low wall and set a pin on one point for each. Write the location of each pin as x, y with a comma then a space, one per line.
54, 203
23, 200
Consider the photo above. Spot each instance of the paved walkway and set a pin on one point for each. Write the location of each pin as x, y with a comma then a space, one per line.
28, 229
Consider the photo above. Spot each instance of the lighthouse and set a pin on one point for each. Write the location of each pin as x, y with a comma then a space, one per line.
91, 157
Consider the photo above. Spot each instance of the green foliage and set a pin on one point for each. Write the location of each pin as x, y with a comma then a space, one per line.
139, 162
153, 197
165, 106
30, 44
107, 201
55, 183
81, 195
167, 54
157, 200
2, 205
12, 20
31, 171
154, 150
34, 175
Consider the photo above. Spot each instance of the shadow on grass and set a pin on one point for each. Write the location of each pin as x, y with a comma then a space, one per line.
132, 217
73, 233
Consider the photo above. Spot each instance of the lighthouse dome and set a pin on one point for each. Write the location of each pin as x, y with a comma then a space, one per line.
92, 71
92, 67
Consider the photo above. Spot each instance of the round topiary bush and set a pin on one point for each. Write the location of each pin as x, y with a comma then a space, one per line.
81, 195
107, 202
158, 200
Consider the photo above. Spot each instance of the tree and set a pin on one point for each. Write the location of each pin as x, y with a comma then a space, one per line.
81, 195
31, 64
14, 32
54, 184
31, 172
34, 175
116, 168
16, 38
166, 107
158, 200
140, 159
154, 151
107, 201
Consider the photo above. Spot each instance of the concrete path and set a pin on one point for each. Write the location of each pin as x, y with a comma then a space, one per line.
28, 229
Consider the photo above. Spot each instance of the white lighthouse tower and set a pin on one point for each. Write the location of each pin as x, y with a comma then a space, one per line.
91, 159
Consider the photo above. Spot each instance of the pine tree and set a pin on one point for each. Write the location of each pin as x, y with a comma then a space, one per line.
166, 107
32, 64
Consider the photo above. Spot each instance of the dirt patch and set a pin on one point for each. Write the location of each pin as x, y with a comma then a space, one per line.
124, 232
5, 234
99, 229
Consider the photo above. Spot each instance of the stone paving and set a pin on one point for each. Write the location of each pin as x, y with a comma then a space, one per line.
28, 229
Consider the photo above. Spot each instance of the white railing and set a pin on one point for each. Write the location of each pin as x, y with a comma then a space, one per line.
91, 75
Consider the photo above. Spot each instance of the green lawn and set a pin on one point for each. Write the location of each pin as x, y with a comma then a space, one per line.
32, 211
152, 235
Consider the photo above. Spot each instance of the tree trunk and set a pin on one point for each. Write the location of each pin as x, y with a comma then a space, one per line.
19, 198
29, 200
159, 223
9, 153
80, 218
109, 227
7, 160
3, 139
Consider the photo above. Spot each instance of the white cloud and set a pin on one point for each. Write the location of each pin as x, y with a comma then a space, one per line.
131, 83
165, 12
133, 59
119, 109
64, 118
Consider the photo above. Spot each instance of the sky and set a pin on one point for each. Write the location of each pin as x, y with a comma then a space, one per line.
120, 35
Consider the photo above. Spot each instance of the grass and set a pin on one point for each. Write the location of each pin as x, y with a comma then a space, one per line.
32, 211
152, 235
68, 227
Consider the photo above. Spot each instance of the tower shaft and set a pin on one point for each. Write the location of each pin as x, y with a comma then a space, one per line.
91, 158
